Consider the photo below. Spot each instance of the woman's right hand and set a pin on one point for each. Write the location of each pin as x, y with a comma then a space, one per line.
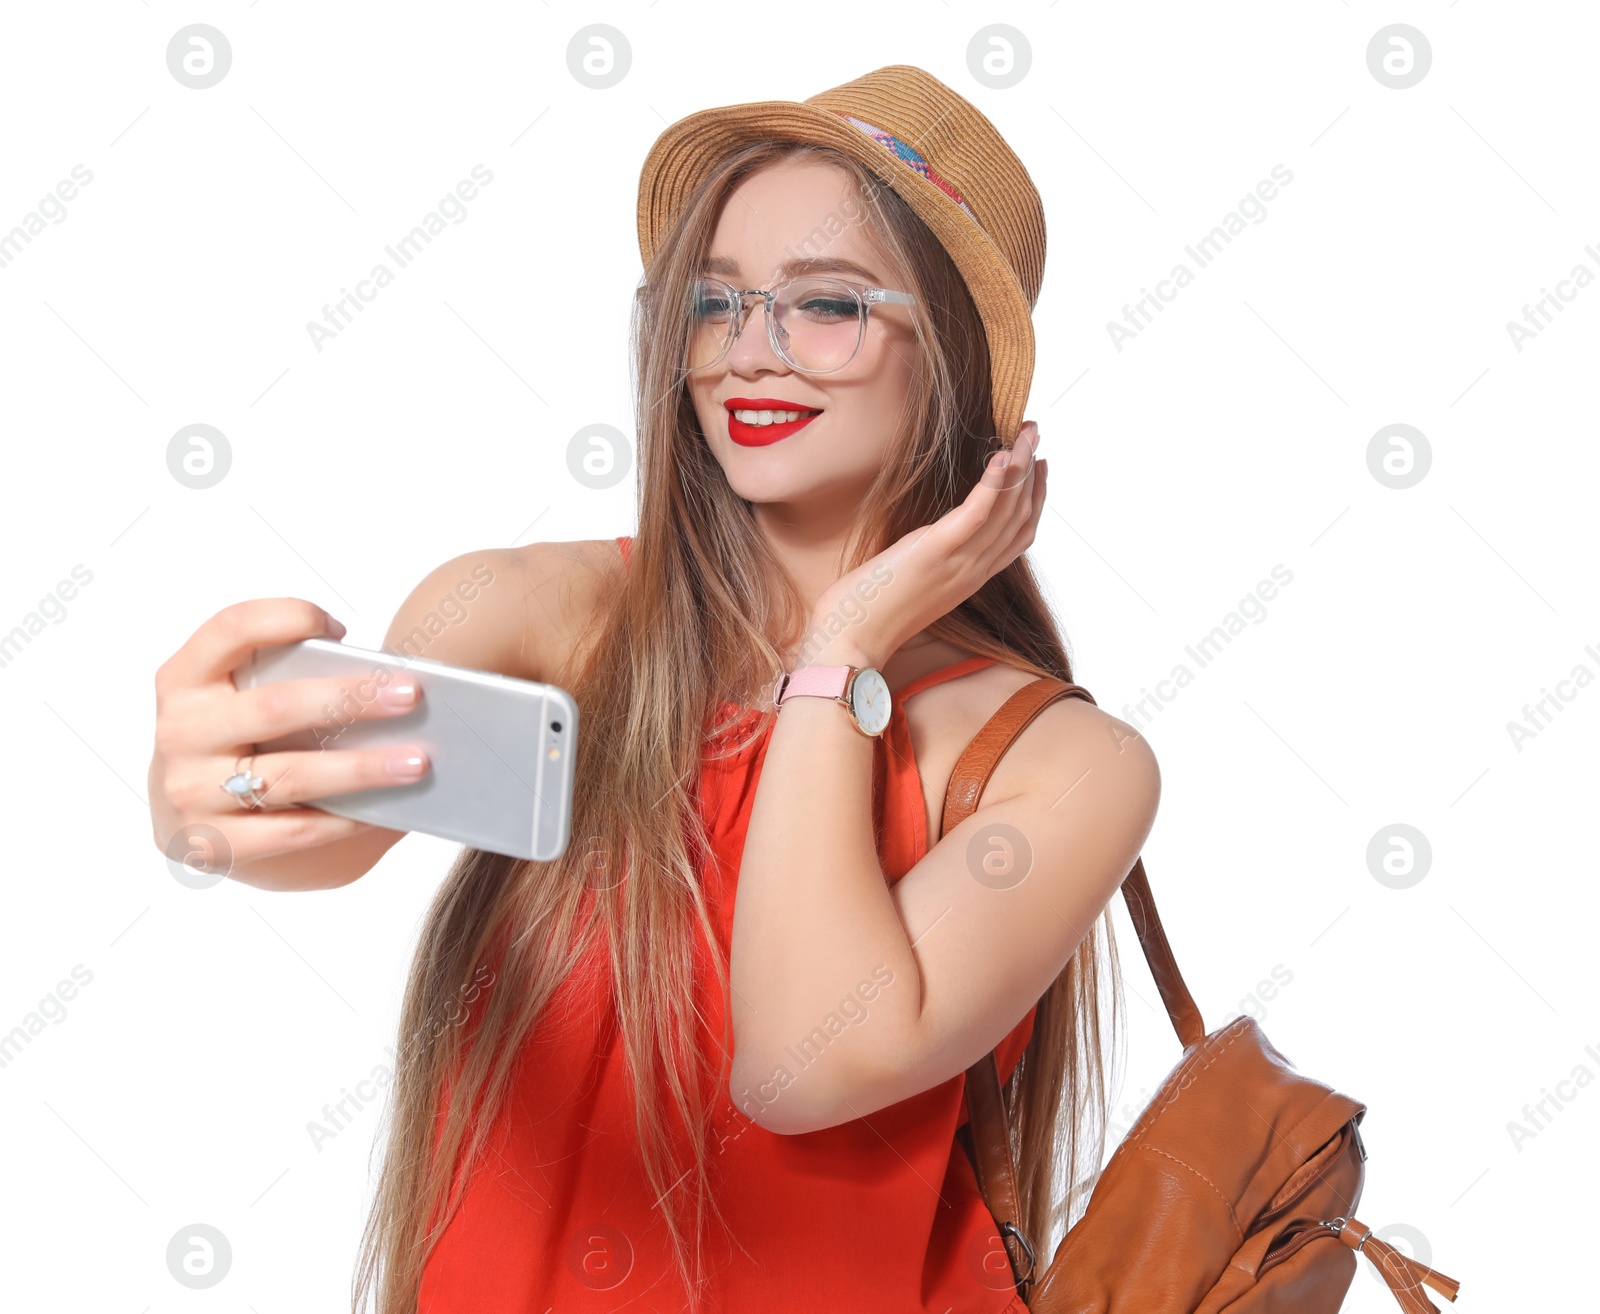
204, 726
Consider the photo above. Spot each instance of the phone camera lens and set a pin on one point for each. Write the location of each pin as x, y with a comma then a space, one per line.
556, 726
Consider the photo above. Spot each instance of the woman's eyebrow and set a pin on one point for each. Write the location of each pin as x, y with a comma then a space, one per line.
798, 265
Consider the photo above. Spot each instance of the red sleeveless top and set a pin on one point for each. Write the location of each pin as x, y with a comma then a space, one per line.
880, 1214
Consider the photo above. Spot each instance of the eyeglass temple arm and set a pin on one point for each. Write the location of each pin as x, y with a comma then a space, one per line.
876, 294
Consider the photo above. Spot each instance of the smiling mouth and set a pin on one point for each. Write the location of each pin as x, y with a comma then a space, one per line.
765, 417
750, 427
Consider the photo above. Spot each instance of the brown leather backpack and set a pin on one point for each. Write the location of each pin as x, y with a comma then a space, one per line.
1234, 1189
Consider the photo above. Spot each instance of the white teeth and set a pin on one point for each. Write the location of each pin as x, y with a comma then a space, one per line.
769, 417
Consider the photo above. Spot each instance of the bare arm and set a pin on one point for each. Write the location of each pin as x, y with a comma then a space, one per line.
849, 994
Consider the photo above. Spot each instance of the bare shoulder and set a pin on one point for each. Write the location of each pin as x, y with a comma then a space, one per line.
517, 611
564, 585
1072, 745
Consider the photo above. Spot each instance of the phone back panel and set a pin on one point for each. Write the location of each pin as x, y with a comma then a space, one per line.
501, 771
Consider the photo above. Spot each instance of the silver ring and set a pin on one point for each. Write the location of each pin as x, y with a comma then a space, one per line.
244, 788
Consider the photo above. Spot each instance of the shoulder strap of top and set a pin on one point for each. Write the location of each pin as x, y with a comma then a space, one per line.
625, 544
931, 678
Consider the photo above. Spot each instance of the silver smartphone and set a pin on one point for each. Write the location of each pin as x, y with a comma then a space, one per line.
501, 750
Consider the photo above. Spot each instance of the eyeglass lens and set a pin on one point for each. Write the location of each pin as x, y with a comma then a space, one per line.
818, 322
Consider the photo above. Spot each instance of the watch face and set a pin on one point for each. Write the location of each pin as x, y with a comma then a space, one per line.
869, 699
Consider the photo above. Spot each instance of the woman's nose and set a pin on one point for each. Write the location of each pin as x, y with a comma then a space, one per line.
753, 345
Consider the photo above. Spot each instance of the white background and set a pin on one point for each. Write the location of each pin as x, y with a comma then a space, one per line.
1230, 436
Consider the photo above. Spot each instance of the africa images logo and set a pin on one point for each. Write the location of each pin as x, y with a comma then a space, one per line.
452, 206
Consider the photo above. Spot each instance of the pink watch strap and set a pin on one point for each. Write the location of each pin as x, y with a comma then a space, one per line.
828, 681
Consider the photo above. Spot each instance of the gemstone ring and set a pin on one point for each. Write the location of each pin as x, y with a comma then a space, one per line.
243, 786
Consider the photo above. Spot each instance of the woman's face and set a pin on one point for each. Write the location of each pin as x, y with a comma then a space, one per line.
815, 476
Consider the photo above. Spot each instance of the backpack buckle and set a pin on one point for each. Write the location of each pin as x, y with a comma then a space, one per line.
1025, 1280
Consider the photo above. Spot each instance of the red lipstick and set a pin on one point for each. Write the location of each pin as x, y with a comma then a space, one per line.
763, 435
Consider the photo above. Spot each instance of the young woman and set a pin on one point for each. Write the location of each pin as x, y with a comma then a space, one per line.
664, 1096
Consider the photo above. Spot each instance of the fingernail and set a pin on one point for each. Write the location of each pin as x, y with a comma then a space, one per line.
401, 694
336, 628
404, 764
999, 460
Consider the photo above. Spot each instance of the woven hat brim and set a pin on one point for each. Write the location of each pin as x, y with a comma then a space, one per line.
680, 156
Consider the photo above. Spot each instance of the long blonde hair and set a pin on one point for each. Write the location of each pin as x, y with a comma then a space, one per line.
705, 613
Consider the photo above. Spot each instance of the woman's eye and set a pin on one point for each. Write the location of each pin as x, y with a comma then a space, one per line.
828, 308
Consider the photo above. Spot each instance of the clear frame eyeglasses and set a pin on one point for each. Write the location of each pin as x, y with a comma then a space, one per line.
815, 324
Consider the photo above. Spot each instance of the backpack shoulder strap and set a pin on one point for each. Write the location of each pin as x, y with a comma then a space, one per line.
988, 1127
972, 771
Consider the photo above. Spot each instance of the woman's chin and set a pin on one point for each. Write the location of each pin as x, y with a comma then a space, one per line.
790, 478
822, 503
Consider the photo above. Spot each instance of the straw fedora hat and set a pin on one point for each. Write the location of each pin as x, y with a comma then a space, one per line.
937, 151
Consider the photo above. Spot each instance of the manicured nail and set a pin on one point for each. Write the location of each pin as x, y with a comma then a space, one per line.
403, 693
404, 764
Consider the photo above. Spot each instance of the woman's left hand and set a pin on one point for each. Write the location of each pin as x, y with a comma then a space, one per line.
937, 567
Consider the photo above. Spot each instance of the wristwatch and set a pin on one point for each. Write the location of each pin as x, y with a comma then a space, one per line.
861, 689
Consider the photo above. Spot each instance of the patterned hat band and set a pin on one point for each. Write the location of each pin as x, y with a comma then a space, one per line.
910, 157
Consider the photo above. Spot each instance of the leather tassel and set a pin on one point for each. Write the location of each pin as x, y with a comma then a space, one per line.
1404, 1275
